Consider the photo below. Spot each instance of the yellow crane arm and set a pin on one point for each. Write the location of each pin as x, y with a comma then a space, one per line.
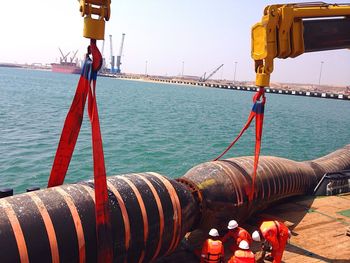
95, 13
290, 30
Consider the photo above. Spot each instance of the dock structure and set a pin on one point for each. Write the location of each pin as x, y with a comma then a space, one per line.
325, 95
233, 86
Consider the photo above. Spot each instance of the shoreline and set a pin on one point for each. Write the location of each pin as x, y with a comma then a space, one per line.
286, 89
292, 90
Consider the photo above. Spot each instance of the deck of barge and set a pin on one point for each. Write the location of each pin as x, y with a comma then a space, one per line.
320, 230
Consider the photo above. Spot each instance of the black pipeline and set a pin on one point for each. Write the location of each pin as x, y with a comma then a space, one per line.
224, 185
150, 213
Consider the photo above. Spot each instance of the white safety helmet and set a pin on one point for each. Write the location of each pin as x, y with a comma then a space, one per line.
256, 236
232, 224
243, 245
213, 232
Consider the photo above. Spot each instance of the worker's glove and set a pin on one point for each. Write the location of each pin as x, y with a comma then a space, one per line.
266, 247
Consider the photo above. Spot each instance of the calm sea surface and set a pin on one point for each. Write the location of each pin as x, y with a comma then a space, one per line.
152, 127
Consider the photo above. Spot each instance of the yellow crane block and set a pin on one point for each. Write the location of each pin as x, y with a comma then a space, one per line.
95, 13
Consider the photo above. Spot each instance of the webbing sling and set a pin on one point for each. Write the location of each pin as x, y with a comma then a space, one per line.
257, 112
86, 88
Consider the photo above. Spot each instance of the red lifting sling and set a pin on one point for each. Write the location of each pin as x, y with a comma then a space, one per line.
257, 112
86, 88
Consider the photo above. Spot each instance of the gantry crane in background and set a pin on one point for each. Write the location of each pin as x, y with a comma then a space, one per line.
120, 54
112, 56
103, 68
204, 78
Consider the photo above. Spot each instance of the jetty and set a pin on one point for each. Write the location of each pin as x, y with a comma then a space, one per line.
293, 90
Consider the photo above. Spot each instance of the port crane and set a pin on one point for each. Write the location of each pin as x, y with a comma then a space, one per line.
112, 56
73, 57
120, 54
64, 57
204, 78
103, 68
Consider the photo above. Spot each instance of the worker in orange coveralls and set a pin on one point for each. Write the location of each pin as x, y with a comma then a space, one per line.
213, 250
237, 234
276, 234
243, 254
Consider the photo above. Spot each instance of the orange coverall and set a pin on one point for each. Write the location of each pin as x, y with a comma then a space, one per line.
212, 251
276, 233
237, 234
242, 256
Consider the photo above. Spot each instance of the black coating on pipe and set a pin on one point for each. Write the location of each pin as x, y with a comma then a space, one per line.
64, 225
10, 254
153, 221
71, 211
35, 234
225, 184
88, 224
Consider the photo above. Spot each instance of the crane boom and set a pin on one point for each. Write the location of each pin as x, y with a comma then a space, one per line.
204, 79
64, 57
103, 47
103, 68
121, 45
290, 30
112, 56
74, 55
120, 54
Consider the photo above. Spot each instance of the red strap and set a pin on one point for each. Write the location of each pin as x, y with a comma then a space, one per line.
70, 132
66, 147
103, 224
259, 121
260, 95
257, 113
246, 126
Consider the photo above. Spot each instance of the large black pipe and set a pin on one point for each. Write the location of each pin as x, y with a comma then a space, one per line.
150, 213
224, 185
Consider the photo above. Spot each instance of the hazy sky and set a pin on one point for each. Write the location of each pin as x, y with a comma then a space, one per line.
202, 33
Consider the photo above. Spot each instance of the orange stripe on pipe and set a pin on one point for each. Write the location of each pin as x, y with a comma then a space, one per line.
143, 212
233, 178
90, 191
124, 213
50, 230
160, 212
177, 211
77, 223
17, 231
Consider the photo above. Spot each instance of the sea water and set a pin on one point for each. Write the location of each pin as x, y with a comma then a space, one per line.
152, 126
